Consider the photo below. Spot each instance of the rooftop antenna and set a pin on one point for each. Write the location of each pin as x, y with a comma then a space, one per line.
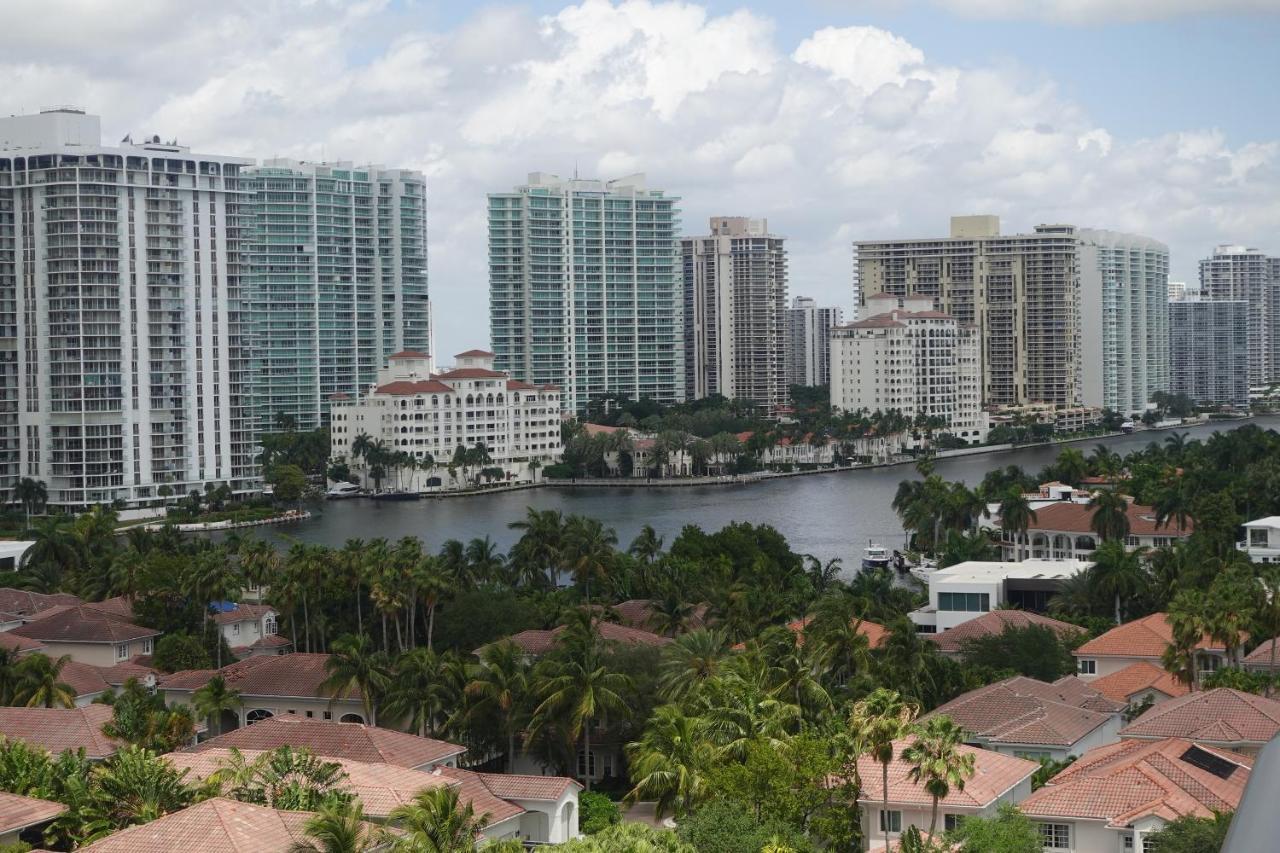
575, 168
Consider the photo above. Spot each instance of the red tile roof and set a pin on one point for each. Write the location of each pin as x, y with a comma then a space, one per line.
475, 791
17, 813
120, 606
1135, 678
243, 613
639, 612
1147, 637
1261, 656
1127, 781
60, 729
83, 625
331, 739
1078, 518
214, 826
19, 644
471, 373
995, 622
297, 675
875, 633
25, 603
405, 387
879, 321
515, 786
408, 353
538, 642
271, 641
475, 353
517, 385
994, 774
1223, 716
1026, 711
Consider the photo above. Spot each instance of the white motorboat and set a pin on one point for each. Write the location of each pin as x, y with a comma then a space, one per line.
875, 556
343, 491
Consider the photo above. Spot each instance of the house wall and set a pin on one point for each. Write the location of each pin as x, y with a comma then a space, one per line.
919, 816
315, 708
98, 654
1107, 733
948, 619
552, 823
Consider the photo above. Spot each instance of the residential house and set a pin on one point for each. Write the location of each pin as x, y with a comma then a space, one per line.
19, 814
270, 685
1032, 719
640, 613
1262, 540
1265, 658
11, 554
91, 683
89, 635
997, 778
19, 646
967, 590
537, 642
1063, 530
996, 622
875, 633
23, 603
57, 730
250, 630
1142, 639
1138, 683
1224, 718
332, 739
1115, 796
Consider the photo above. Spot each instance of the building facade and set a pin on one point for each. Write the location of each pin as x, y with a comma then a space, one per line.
913, 359
122, 316
1209, 351
1124, 319
1237, 273
338, 257
809, 341
735, 302
585, 288
427, 415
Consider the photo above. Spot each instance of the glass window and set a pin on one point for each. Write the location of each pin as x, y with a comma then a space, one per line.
895, 820
1258, 538
1056, 836
1088, 667
968, 602
951, 822
122, 652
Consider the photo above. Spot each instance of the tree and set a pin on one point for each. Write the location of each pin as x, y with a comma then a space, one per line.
137, 786
283, 778
32, 494
1117, 572
288, 482
1186, 615
877, 722
626, 838
647, 546
669, 762
339, 827
436, 821
40, 683
689, 661
937, 761
1016, 514
1035, 651
725, 826
176, 652
1110, 518
10, 676
1191, 834
589, 551
352, 668
502, 686
1010, 831
597, 812
416, 692
211, 700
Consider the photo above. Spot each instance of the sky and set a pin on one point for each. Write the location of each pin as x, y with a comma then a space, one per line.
835, 120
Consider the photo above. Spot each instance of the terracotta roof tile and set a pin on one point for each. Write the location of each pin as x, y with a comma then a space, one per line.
243, 613
1071, 517
331, 739
17, 813
1026, 711
538, 642
83, 625
271, 641
1261, 656
879, 321
475, 353
60, 729
1142, 638
471, 373
119, 606
994, 774
1224, 716
24, 603
1125, 781
638, 613
474, 790
214, 826
995, 622
19, 644
405, 387
408, 353
875, 633
296, 675
515, 786
1135, 678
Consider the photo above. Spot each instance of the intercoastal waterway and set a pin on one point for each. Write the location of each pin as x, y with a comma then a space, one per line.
827, 515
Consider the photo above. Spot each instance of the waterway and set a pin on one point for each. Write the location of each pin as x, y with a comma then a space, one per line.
827, 515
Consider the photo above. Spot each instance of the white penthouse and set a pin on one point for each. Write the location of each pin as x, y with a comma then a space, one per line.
418, 418
121, 356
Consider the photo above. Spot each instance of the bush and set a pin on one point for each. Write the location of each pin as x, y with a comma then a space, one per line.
558, 471
597, 812
481, 616
176, 652
722, 826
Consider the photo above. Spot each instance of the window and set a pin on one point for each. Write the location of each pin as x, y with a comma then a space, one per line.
269, 625
146, 646
328, 715
122, 651
235, 630
1257, 538
1056, 836
895, 820
586, 763
1031, 754
1088, 667
968, 602
951, 822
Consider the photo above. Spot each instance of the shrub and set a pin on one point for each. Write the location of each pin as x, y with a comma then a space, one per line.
558, 471
597, 812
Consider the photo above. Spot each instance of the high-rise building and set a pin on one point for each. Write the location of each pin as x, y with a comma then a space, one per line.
339, 282
1239, 273
585, 288
1179, 290
1209, 350
809, 341
903, 355
1021, 291
735, 302
121, 315
1124, 319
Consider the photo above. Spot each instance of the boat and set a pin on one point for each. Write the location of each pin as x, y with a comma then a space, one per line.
1127, 427
343, 491
396, 495
875, 556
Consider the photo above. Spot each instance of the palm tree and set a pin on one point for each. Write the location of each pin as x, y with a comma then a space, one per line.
32, 494
669, 762
1110, 515
938, 762
878, 722
354, 667
1071, 466
502, 686
415, 693
689, 661
589, 551
1118, 573
339, 827
1016, 514
212, 578
52, 545
541, 544
647, 546
10, 676
137, 786
434, 583
670, 614
40, 684
213, 699
483, 562
436, 821
1186, 615
841, 648
1268, 617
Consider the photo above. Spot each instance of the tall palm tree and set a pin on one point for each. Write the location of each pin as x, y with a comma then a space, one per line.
436, 821
689, 661
541, 544
670, 761
1016, 514
350, 560
1186, 615
40, 684
415, 691
938, 762
1071, 466
211, 700
502, 686
212, 578
647, 546
484, 563
53, 545
589, 550
434, 583
32, 494
1118, 573
354, 667
877, 722
339, 827
841, 648
1110, 515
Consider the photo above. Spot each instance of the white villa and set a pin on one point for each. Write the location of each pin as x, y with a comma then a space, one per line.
967, 590
1262, 540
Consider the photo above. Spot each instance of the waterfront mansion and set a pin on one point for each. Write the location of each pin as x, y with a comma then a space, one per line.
414, 410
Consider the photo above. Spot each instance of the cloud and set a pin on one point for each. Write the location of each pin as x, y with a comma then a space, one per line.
846, 133
1090, 12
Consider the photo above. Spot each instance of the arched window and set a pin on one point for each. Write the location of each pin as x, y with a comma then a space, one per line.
257, 715
351, 718
1085, 543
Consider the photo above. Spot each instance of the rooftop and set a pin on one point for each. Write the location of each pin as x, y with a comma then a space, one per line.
995, 622
1147, 637
1023, 710
59, 729
538, 642
298, 675
994, 774
978, 570
1269, 521
243, 613
331, 739
1127, 781
405, 387
25, 603
17, 813
1222, 716
218, 825
1072, 517
83, 624
1135, 678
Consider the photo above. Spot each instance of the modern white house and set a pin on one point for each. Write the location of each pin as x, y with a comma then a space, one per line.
11, 554
1262, 540
967, 590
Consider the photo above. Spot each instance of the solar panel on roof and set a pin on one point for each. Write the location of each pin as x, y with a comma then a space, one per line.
1205, 760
